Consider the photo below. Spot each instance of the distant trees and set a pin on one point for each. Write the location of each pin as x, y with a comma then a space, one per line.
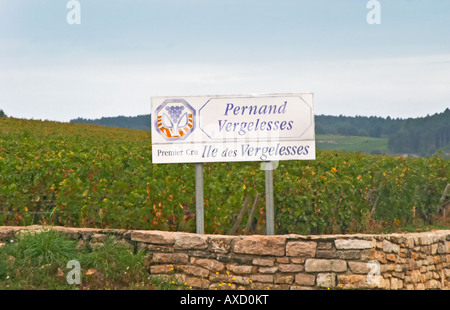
423, 136
2, 114
376, 127
141, 122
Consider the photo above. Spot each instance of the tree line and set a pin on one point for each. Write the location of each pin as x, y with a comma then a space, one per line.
141, 122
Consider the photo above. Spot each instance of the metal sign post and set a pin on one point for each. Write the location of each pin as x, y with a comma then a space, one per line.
200, 224
270, 213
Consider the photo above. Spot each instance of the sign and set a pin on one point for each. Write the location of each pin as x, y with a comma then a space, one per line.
200, 129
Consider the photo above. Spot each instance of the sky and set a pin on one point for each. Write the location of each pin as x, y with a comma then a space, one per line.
123, 52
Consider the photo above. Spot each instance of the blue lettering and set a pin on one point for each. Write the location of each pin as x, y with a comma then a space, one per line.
220, 124
230, 106
290, 125
276, 124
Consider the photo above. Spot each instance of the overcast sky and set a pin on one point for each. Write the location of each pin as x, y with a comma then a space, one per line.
126, 51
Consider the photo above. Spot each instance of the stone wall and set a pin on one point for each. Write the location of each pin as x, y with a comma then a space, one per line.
413, 261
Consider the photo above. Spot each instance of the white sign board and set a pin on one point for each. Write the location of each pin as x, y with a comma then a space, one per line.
201, 129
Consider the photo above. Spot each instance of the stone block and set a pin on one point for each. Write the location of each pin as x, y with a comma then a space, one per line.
305, 279
387, 267
447, 273
419, 286
425, 239
340, 254
243, 280
267, 269
193, 270
299, 248
220, 244
443, 247
396, 284
389, 247
264, 262
153, 236
175, 258
159, 248
261, 245
265, 286
326, 280
262, 278
352, 281
240, 269
324, 245
415, 276
298, 260
282, 260
359, 267
235, 259
349, 254
157, 269
291, 268
210, 264
301, 288
391, 257
284, 279
379, 256
197, 282
191, 241
434, 248
353, 244
321, 265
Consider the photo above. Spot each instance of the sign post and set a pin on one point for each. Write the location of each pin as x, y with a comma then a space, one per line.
199, 212
264, 128
270, 207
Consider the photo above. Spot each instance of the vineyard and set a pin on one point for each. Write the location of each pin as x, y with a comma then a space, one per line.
91, 176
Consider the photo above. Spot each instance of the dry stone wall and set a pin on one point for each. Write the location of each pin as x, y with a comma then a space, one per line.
412, 261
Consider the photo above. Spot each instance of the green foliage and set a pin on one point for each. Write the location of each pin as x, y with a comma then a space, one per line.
115, 260
33, 259
349, 192
94, 176
38, 260
42, 248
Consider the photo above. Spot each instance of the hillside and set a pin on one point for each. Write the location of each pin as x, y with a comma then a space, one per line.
417, 137
95, 176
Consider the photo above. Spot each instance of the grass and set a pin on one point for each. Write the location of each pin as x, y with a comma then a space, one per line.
366, 145
38, 261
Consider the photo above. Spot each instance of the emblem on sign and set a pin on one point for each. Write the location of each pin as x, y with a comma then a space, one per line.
175, 119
